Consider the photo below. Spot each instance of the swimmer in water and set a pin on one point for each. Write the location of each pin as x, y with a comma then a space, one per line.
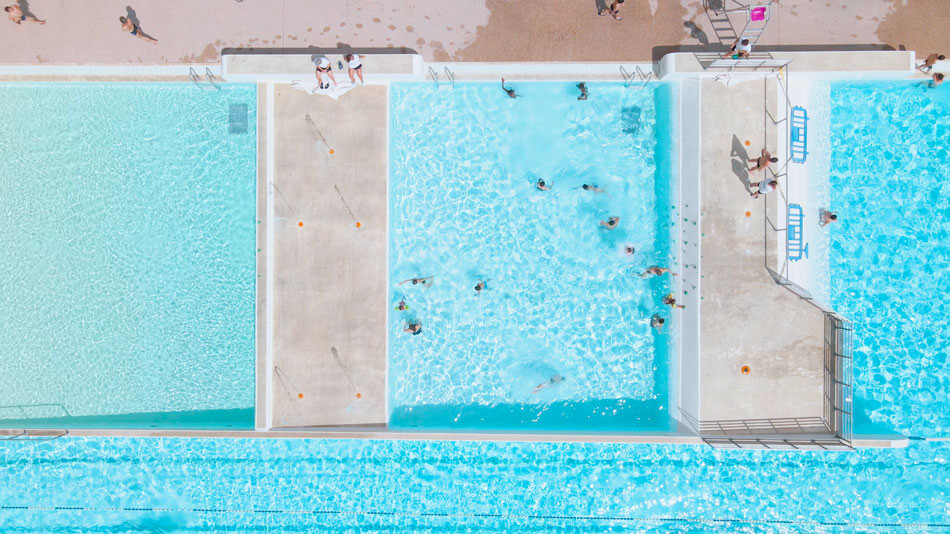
936, 80
426, 282
402, 306
480, 286
671, 302
657, 322
542, 186
656, 271
510, 92
629, 250
827, 218
583, 88
592, 188
610, 223
554, 380
413, 327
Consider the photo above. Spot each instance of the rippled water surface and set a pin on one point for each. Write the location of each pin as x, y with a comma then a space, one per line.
890, 252
126, 255
563, 299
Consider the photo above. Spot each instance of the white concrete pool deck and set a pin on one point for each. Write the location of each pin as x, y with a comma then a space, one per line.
329, 276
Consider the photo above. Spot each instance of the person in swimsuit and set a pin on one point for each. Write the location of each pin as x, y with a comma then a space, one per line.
402, 306
614, 10
583, 87
510, 92
324, 68
593, 188
129, 27
656, 271
936, 80
671, 302
542, 186
413, 327
17, 15
763, 161
610, 223
554, 380
629, 250
657, 322
827, 218
426, 282
928, 64
480, 286
354, 64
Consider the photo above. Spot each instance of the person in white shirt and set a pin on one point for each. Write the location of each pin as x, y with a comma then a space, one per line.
324, 69
741, 48
354, 63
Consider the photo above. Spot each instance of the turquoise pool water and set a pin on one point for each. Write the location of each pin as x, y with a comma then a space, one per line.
127, 256
563, 300
114, 485
890, 252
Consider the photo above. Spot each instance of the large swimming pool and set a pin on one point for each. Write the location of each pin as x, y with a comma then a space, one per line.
563, 307
127, 255
890, 252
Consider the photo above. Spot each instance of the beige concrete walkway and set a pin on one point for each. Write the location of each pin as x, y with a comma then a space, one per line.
190, 31
330, 276
746, 318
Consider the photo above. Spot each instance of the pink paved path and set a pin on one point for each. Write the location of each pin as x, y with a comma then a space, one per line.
87, 31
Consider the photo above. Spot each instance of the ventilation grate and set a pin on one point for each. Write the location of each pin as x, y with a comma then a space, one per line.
237, 119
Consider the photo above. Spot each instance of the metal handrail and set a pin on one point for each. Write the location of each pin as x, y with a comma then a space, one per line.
210, 78
449, 76
435, 76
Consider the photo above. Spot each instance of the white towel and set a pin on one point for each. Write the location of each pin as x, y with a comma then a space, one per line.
311, 86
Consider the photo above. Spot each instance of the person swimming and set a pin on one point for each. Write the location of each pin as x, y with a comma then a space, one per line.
402, 306
583, 88
480, 286
542, 186
593, 188
610, 223
510, 92
671, 302
427, 281
656, 271
657, 322
629, 250
413, 327
554, 380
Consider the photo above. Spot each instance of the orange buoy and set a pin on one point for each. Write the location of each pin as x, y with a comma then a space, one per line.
358, 224
300, 224
746, 370
359, 396
748, 214
747, 142
300, 395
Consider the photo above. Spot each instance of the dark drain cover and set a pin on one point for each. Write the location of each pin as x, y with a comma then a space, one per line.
237, 119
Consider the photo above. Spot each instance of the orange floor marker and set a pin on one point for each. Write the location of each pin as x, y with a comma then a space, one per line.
358, 224
300, 395
748, 214
359, 396
746, 370
300, 224
747, 142
331, 151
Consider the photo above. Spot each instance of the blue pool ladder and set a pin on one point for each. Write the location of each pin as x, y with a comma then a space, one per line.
794, 248
799, 135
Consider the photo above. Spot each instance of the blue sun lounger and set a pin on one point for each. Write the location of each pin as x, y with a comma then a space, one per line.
798, 143
794, 248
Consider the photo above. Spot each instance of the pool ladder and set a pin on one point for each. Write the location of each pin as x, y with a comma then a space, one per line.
209, 86
449, 77
639, 76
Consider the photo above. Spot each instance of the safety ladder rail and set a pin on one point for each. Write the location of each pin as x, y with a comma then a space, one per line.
196, 79
435, 76
642, 77
449, 76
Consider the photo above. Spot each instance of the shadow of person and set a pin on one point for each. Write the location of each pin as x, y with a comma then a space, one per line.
25, 8
740, 159
696, 32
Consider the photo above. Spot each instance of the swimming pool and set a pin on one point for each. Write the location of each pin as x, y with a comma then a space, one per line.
127, 255
172, 485
890, 252
563, 307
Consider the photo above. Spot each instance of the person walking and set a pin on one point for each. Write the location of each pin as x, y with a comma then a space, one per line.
17, 16
130, 27
354, 64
